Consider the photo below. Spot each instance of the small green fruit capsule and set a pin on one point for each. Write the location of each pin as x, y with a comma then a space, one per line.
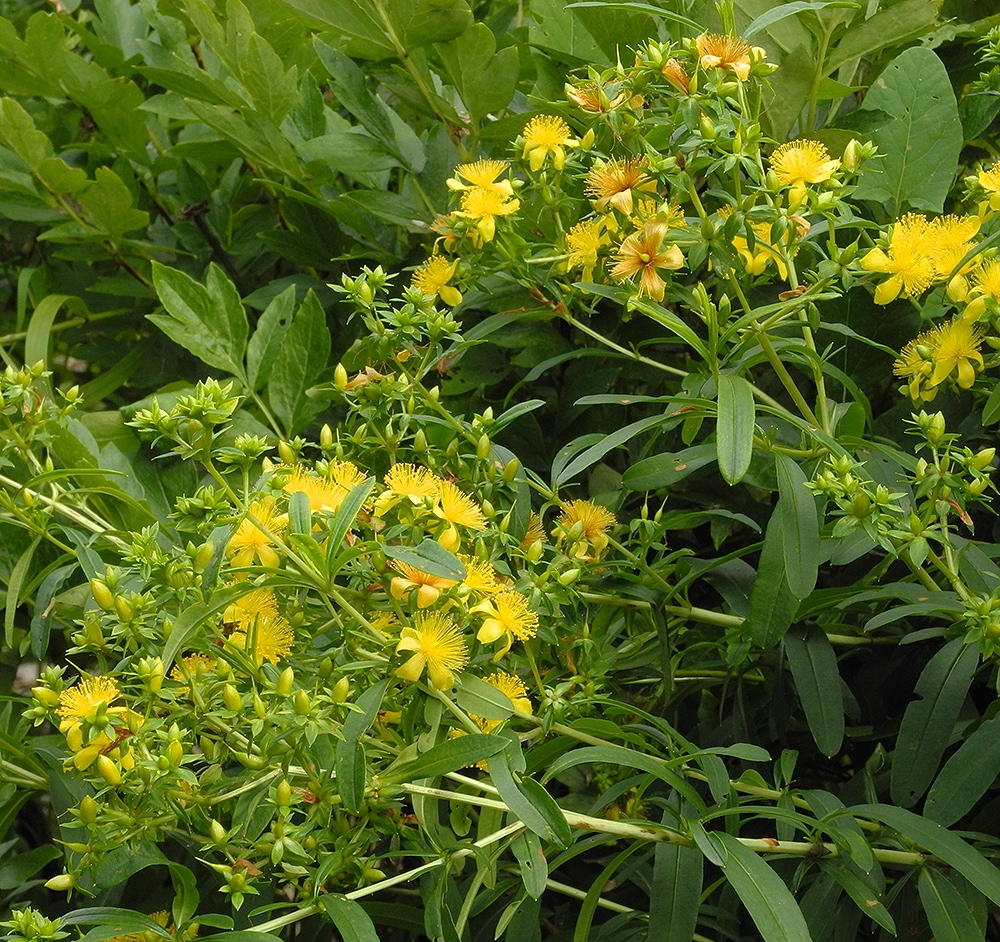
61, 883
217, 832
103, 596
285, 680
286, 452
569, 577
483, 448
301, 703
283, 794
108, 771
88, 810
340, 690
510, 470
231, 698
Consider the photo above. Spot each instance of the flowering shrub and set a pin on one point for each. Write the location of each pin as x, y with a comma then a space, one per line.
342, 642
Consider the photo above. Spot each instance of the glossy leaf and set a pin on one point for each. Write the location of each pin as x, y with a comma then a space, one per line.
947, 911
799, 521
817, 680
966, 776
737, 421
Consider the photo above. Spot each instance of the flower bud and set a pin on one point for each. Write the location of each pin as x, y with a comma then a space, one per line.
175, 753
283, 687
535, 551
510, 470
983, 459
569, 576
340, 690
326, 437
340, 379
61, 883
286, 452
217, 832
420, 441
108, 771
45, 696
124, 608
231, 698
283, 794
483, 447
301, 703
88, 810
103, 596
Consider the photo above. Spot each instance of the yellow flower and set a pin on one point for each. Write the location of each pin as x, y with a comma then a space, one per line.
513, 687
989, 180
88, 703
640, 254
985, 285
583, 242
322, 493
432, 279
483, 204
508, 617
611, 183
84, 700
590, 96
543, 134
448, 233
253, 538
586, 525
952, 240
438, 646
266, 639
459, 510
801, 162
480, 576
260, 603
727, 52
429, 587
482, 173
416, 484
534, 533
191, 665
909, 261
951, 348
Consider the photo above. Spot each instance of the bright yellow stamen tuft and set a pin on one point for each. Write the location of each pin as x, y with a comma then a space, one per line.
438, 646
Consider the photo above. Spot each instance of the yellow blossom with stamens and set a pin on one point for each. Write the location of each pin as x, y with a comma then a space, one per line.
909, 261
481, 173
797, 163
936, 354
459, 510
253, 537
642, 254
260, 603
89, 703
411, 482
428, 586
985, 286
266, 639
509, 616
432, 279
535, 531
952, 240
583, 242
716, 51
437, 646
193, 665
483, 204
480, 576
590, 96
612, 183
322, 493
546, 134
587, 525
989, 180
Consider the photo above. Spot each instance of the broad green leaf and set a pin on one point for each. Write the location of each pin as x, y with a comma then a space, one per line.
345, 515
941, 842
734, 434
272, 89
304, 355
448, 756
268, 336
256, 137
991, 411
19, 868
108, 205
124, 920
966, 775
485, 79
550, 28
600, 448
773, 605
18, 132
893, 25
430, 21
928, 722
350, 760
799, 521
817, 680
352, 922
430, 557
675, 898
527, 848
920, 145
765, 895
195, 322
772, 16
534, 811
479, 698
356, 28
947, 911
667, 469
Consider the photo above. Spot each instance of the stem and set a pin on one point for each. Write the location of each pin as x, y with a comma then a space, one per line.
610, 344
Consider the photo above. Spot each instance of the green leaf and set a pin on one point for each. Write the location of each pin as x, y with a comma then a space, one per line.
352, 922
737, 420
537, 815
123, 920
966, 775
304, 355
928, 722
765, 895
18, 132
817, 680
195, 616
20, 868
675, 897
606, 443
269, 335
941, 842
773, 605
799, 521
667, 469
482, 699
893, 25
920, 145
772, 16
195, 321
991, 411
357, 29
447, 756
485, 79
430, 557
16, 582
947, 911
861, 892
527, 848
345, 515
350, 759
254, 135
108, 205
551, 29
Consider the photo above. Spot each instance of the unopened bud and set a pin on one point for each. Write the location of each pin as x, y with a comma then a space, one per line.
217, 832
286, 452
283, 794
569, 576
340, 690
483, 448
103, 596
108, 771
231, 698
301, 703
283, 687
61, 883
340, 379
88, 810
